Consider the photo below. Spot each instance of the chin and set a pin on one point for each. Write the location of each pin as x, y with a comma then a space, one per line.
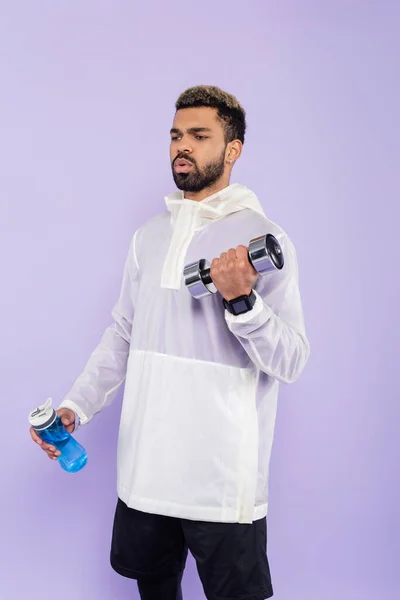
185, 185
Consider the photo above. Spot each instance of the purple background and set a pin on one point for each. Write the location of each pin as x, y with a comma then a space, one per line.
86, 103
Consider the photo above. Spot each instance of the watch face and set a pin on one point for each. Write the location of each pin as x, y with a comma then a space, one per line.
240, 306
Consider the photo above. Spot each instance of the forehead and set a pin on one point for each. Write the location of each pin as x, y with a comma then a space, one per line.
202, 116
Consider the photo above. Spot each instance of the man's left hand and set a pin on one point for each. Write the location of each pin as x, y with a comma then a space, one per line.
232, 273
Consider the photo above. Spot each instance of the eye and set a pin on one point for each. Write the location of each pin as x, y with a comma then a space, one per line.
173, 138
201, 137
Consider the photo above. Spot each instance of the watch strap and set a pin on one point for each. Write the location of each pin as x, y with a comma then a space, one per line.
241, 304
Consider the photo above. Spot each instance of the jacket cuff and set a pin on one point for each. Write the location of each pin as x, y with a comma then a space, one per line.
80, 417
248, 316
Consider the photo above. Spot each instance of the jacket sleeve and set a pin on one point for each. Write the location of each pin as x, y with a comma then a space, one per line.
273, 332
105, 370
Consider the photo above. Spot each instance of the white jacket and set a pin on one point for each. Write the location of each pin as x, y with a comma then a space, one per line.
201, 385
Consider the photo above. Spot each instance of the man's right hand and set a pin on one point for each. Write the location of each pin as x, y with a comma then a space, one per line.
68, 419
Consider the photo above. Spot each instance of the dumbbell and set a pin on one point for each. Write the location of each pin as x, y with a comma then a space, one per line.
264, 253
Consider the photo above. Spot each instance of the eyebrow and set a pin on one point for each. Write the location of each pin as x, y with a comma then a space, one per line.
193, 130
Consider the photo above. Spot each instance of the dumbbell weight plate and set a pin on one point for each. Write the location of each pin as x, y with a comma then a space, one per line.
266, 254
197, 285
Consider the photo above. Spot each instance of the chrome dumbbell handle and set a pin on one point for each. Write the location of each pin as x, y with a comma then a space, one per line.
264, 253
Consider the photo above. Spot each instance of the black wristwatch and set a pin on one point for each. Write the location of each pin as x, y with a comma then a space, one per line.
241, 304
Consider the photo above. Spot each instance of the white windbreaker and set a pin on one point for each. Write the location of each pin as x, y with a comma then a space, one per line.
201, 385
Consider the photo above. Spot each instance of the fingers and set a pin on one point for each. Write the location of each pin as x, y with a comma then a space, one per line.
228, 256
234, 253
66, 414
224, 262
67, 418
50, 450
35, 437
237, 257
227, 259
242, 252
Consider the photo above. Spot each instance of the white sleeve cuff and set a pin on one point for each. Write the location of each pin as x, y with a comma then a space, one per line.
77, 422
249, 315
82, 418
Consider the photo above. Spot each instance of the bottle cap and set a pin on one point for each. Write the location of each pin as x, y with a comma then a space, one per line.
43, 416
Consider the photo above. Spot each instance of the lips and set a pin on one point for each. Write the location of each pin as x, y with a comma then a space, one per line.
182, 165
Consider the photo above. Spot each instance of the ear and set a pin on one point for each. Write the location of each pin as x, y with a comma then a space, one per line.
233, 151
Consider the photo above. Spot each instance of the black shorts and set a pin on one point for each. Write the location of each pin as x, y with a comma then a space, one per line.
231, 558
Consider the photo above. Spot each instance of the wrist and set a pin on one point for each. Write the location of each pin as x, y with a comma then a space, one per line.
240, 304
237, 294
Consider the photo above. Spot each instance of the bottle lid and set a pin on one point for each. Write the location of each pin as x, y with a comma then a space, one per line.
43, 416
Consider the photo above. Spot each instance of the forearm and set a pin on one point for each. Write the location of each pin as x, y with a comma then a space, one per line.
105, 370
99, 382
275, 347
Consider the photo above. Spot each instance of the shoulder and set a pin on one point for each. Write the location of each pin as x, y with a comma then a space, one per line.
151, 229
248, 224
154, 224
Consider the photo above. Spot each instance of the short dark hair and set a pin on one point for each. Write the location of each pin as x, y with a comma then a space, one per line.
230, 112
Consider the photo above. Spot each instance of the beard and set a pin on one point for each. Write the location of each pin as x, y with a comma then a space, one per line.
199, 179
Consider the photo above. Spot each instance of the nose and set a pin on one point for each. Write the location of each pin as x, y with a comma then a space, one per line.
183, 146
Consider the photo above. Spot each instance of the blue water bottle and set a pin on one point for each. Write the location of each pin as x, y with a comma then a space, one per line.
49, 427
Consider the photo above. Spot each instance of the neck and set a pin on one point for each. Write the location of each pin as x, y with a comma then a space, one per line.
206, 192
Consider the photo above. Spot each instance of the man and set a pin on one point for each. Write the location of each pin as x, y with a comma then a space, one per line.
202, 382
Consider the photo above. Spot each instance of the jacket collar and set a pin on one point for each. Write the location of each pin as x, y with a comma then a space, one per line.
231, 199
